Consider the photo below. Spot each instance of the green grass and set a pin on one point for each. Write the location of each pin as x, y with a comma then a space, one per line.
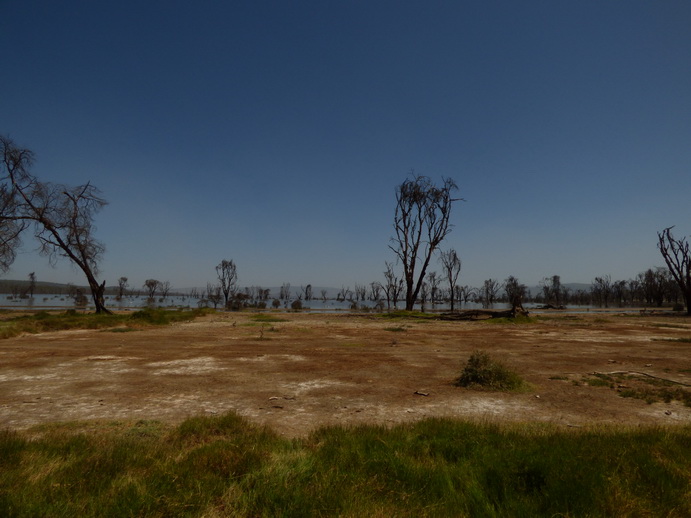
224, 466
650, 390
45, 322
518, 320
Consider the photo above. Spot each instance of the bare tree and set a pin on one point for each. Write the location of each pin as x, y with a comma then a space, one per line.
489, 292
360, 292
228, 277
421, 222
452, 269
465, 293
515, 292
375, 291
433, 279
213, 294
15, 163
164, 287
32, 284
151, 286
552, 290
307, 292
393, 286
601, 290
122, 287
344, 294
285, 291
62, 217
324, 295
677, 256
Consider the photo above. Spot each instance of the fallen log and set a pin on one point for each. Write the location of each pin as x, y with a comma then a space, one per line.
484, 314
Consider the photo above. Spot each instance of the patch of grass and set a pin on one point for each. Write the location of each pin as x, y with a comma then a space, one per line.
266, 317
156, 316
397, 329
408, 315
519, 319
649, 389
43, 321
600, 380
225, 466
483, 372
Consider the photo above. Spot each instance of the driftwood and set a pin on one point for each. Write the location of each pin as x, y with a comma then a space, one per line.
551, 306
484, 314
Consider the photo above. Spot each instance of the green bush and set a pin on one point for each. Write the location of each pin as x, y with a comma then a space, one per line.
481, 371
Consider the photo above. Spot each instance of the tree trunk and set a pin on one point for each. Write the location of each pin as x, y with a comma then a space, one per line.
97, 291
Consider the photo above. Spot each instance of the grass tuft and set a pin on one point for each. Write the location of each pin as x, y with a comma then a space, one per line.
482, 372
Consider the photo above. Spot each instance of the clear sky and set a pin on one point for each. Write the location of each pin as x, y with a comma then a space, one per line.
275, 133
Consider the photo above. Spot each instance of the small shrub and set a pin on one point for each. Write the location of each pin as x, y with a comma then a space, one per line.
296, 305
481, 371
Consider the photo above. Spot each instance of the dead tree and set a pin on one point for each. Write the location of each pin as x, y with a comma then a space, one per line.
393, 286
515, 293
213, 294
62, 216
452, 269
15, 163
489, 292
421, 222
678, 259
164, 287
32, 284
601, 290
228, 277
151, 286
122, 287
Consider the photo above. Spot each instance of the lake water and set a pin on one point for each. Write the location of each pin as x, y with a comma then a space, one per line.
53, 302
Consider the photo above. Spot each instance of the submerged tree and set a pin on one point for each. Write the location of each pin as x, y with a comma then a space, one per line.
62, 217
151, 286
393, 286
678, 259
452, 269
32, 284
489, 292
122, 287
228, 277
515, 292
421, 222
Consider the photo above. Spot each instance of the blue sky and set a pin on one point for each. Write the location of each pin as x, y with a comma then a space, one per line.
275, 133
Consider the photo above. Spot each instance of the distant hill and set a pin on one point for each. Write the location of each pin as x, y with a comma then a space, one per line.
20, 287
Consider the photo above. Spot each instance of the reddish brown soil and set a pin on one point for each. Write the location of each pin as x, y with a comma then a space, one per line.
314, 369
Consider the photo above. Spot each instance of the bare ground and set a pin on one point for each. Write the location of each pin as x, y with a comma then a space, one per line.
316, 369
